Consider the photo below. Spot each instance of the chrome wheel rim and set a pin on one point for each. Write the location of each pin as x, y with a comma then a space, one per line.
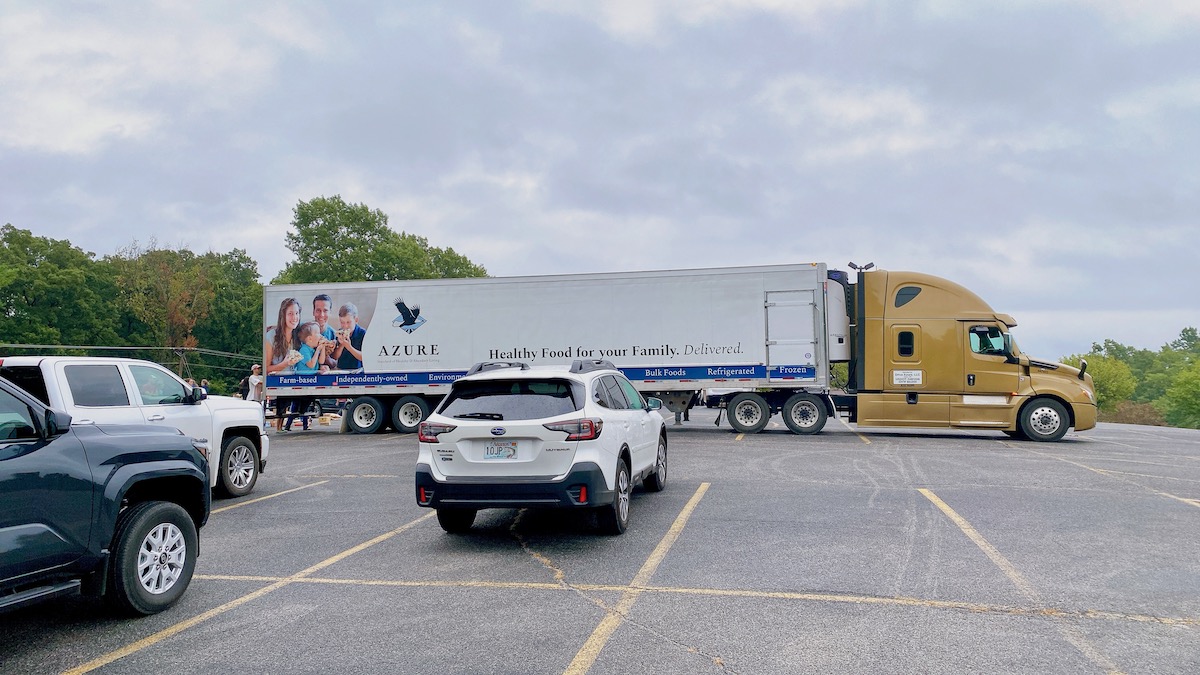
161, 558
623, 495
410, 414
1045, 420
364, 415
748, 413
804, 414
241, 466
660, 469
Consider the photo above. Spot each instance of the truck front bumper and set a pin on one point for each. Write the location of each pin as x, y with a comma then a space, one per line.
583, 487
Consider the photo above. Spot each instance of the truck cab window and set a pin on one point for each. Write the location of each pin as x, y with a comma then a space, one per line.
905, 345
96, 385
905, 295
987, 340
156, 387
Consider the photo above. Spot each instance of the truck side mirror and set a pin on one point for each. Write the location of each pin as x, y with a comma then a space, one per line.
57, 423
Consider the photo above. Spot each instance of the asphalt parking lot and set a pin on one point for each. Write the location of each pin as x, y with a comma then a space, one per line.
881, 551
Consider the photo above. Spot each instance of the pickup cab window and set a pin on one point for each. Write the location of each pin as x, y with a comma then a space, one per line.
156, 387
96, 386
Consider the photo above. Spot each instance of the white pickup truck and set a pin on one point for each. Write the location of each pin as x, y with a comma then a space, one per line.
99, 390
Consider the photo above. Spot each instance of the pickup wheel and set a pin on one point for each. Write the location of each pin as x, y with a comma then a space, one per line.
154, 555
804, 414
614, 518
365, 415
657, 480
408, 413
239, 466
456, 521
1044, 419
748, 413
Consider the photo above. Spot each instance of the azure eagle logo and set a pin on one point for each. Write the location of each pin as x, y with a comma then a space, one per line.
410, 319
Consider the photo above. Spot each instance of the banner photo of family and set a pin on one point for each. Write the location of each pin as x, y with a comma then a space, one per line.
316, 334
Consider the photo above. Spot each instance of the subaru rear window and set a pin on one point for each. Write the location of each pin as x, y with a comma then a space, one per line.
512, 399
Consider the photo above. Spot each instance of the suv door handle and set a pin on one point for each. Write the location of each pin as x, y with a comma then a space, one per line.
156, 418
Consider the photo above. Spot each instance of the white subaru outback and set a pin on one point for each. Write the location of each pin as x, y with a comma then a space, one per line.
509, 435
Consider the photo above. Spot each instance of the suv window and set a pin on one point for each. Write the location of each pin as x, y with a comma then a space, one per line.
512, 399
635, 399
96, 385
616, 397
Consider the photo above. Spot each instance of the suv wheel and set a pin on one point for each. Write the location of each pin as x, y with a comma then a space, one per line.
154, 555
239, 466
657, 480
614, 518
456, 521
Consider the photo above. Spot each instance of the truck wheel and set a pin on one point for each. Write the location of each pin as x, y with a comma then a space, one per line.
804, 414
614, 518
656, 481
314, 408
365, 415
456, 521
748, 413
154, 555
239, 466
408, 412
1044, 419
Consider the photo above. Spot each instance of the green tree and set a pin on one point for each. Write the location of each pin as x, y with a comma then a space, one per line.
53, 293
1113, 379
1181, 403
335, 241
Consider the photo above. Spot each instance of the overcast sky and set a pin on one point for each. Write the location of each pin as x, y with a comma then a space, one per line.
1046, 154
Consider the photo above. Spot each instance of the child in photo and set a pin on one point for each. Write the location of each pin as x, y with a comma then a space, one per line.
312, 349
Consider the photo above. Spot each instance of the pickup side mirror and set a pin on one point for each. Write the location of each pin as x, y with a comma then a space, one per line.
197, 395
654, 403
57, 423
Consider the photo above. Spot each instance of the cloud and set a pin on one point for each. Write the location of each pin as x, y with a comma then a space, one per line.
78, 80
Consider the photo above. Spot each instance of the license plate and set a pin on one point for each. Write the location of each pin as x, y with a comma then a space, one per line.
500, 450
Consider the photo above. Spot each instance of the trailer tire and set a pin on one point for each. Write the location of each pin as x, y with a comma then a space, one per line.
365, 415
1044, 419
408, 412
804, 414
748, 413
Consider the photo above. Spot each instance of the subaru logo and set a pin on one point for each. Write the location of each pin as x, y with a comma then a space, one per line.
498, 431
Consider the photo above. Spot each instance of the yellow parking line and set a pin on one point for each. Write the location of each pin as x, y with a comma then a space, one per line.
1071, 633
800, 596
165, 633
864, 439
1119, 475
590, 651
272, 496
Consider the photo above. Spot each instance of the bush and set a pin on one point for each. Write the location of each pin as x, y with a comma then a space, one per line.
1128, 412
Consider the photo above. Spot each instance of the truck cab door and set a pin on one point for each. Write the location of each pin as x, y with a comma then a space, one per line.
989, 380
165, 400
38, 533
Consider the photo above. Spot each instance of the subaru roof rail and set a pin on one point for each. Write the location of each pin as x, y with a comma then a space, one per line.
588, 365
484, 366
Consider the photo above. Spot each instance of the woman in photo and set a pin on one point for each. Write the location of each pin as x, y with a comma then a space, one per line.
281, 350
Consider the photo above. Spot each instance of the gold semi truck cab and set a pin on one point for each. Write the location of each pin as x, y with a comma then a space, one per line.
930, 353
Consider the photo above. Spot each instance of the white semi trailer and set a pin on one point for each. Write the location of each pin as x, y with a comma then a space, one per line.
774, 330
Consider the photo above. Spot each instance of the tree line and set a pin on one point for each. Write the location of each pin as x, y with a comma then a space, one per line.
202, 314
199, 314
